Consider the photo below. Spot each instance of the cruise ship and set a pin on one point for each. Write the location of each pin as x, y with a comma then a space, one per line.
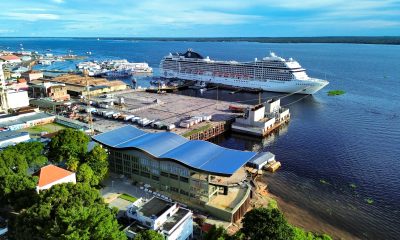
272, 73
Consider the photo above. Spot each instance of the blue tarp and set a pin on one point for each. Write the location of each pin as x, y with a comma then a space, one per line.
201, 155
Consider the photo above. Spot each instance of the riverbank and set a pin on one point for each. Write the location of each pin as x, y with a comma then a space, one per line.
300, 217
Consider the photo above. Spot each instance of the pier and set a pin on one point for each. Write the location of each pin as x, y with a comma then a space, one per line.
166, 109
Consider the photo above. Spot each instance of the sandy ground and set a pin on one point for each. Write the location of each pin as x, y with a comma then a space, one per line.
298, 216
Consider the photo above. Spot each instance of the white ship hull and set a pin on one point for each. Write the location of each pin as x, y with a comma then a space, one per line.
309, 86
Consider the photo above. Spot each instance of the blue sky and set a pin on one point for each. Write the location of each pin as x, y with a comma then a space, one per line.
199, 18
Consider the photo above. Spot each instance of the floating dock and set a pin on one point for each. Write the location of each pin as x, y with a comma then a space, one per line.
262, 119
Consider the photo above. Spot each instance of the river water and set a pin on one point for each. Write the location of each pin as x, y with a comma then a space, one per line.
340, 155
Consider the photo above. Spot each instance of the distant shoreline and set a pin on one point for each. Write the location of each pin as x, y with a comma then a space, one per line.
387, 40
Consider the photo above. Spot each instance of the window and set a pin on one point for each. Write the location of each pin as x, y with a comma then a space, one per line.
184, 179
144, 174
173, 176
157, 178
164, 174
184, 193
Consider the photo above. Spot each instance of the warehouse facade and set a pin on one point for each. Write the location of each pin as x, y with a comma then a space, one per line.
197, 173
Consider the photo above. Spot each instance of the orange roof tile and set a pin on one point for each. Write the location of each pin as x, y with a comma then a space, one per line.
51, 173
9, 57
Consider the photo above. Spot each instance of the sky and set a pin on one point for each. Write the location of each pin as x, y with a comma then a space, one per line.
199, 18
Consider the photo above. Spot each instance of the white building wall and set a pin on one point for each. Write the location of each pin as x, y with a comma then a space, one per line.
15, 140
273, 106
156, 223
68, 179
17, 99
184, 230
257, 115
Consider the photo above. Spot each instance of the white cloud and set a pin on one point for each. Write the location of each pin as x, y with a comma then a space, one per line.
6, 31
58, 1
31, 17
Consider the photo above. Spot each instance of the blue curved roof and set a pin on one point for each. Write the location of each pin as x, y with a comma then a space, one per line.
201, 155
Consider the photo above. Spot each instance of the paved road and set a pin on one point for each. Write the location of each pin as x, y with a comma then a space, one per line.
115, 184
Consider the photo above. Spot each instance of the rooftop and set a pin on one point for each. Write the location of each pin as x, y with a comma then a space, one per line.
262, 157
155, 207
11, 120
50, 173
6, 135
196, 154
9, 57
175, 218
230, 201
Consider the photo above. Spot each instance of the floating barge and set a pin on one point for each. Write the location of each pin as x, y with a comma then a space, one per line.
262, 119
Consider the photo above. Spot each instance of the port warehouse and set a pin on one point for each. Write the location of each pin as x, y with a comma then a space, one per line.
197, 173
25, 120
77, 85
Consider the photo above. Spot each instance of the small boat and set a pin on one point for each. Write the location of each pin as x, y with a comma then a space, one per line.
199, 85
237, 109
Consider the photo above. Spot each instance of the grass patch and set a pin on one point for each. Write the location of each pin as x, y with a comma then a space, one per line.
272, 203
323, 181
194, 131
127, 197
336, 92
369, 200
49, 128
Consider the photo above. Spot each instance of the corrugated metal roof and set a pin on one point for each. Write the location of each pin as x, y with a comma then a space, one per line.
22, 119
262, 158
201, 155
6, 135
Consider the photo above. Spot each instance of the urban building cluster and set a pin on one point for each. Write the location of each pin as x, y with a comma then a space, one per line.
166, 153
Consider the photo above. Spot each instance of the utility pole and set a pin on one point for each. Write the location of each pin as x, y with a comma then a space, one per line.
217, 99
88, 107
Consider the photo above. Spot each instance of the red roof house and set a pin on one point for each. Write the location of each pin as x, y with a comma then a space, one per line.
51, 175
10, 58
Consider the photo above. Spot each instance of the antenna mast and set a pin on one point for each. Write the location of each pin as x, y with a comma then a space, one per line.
88, 107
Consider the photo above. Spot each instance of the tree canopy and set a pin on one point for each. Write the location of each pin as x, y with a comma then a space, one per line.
68, 144
18, 158
149, 235
266, 224
97, 160
71, 146
17, 187
68, 211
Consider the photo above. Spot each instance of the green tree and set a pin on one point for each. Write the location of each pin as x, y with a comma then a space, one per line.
149, 235
300, 234
85, 174
266, 223
215, 232
67, 211
97, 159
19, 158
17, 190
72, 163
67, 144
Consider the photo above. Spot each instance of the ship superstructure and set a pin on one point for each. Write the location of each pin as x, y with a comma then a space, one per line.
272, 73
